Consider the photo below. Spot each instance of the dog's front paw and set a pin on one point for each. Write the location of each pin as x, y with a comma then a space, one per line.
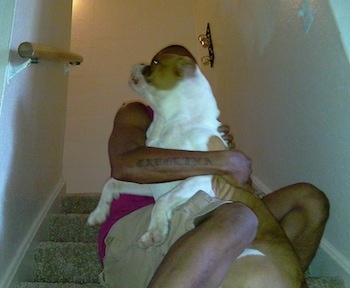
98, 216
152, 237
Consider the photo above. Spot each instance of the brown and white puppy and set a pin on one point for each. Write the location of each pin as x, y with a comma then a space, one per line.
185, 117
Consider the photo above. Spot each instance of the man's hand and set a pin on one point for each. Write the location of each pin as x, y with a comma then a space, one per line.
239, 164
240, 167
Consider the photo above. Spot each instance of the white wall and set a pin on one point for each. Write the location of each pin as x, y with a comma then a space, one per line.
32, 127
113, 36
286, 94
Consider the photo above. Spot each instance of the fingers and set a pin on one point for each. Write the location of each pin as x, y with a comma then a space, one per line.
224, 128
228, 138
226, 134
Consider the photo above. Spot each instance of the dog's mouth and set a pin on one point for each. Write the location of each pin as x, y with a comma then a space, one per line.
140, 73
137, 77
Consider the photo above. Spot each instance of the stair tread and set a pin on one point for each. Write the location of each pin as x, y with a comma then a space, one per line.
313, 282
72, 228
64, 244
66, 262
325, 282
79, 203
57, 285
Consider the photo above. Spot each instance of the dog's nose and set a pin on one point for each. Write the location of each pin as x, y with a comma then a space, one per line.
146, 71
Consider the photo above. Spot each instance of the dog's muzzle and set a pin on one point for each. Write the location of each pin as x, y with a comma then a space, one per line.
137, 79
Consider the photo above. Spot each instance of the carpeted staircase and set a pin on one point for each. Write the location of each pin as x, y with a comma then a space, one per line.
70, 257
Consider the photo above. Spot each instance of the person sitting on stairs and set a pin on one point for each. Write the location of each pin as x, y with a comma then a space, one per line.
301, 209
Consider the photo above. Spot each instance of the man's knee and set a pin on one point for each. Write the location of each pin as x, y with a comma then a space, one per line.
237, 217
314, 200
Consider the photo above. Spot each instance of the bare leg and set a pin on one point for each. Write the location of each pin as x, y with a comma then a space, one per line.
302, 210
201, 257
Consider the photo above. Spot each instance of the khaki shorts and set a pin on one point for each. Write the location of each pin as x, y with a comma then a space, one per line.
125, 264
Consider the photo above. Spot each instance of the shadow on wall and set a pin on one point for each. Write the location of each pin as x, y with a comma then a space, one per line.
17, 170
32, 125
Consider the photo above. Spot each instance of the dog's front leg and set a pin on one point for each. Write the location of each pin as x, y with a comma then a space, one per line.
111, 190
165, 206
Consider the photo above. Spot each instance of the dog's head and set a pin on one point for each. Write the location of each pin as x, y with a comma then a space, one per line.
167, 69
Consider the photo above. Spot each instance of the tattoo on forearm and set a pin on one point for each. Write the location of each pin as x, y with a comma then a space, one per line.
172, 162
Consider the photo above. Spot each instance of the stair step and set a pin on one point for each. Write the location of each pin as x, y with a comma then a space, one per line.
325, 282
57, 285
72, 228
79, 203
62, 262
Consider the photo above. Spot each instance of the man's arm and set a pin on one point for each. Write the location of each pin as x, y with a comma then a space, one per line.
131, 160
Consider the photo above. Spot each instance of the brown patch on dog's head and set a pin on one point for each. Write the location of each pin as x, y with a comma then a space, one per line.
167, 69
175, 49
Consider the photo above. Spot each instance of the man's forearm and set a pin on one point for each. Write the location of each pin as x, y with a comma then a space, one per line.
152, 165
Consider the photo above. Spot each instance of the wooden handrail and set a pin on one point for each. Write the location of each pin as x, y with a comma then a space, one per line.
35, 51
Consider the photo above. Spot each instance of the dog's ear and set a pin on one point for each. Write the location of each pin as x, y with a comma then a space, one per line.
184, 66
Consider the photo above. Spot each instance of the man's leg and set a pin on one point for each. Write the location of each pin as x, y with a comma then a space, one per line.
302, 210
201, 257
